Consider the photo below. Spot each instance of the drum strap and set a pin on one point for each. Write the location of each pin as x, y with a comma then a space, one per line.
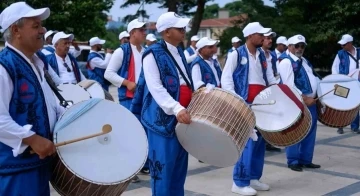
292, 96
356, 60
53, 87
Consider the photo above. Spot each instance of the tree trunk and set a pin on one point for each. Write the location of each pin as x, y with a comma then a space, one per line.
197, 19
172, 5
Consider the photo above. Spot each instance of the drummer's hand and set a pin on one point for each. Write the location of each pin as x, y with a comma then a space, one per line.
309, 101
131, 86
183, 117
40, 145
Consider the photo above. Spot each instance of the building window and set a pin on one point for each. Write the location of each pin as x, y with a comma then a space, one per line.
202, 33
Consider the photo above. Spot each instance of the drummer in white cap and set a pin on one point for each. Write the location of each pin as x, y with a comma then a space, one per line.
166, 93
204, 69
281, 46
28, 110
150, 40
96, 63
247, 73
346, 62
236, 42
124, 37
190, 52
62, 62
48, 47
301, 154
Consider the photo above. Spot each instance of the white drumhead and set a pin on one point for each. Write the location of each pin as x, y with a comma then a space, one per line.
337, 102
73, 92
109, 159
279, 116
95, 89
208, 143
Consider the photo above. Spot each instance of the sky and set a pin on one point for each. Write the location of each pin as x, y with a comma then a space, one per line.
153, 11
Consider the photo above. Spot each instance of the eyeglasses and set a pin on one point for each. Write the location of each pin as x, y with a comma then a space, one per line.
67, 67
182, 30
302, 46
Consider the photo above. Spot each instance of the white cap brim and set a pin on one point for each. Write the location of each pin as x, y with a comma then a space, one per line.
342, 42
151, 39
43, 13
236, 40
270, 33
137, 26
264, 30
183, 22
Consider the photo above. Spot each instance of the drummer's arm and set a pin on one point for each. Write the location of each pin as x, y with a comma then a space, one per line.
100, 63
287, 74
270, 75
11, 133
196, 76
335, 65
156, 88
113, 67
227, 81
54, 76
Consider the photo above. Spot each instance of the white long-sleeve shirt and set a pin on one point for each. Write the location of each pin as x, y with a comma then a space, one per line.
255, 71
336, 63
54, 76
286, 72
197, 75
72, 51
99, 62
11, 133
65, 76
154, 83
115, 64
190, 58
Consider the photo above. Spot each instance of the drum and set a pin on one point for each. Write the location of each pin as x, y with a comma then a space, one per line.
73, 93
284, 122
338, 108
221, 126
95, 89
355, 74
103, 165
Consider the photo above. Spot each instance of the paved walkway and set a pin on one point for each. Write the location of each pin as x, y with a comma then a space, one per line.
338, 155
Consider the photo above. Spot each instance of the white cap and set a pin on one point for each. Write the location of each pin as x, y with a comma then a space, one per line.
235, 40
20, 10
205, 41
151, 37
95, 40
346, 39
296, 39
48, 33
195, 38
61, 35
169, 20
135, 24
270, 33
123, 34
282, 40
255, 27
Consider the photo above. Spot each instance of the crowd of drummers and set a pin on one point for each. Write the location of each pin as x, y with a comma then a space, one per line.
160, 74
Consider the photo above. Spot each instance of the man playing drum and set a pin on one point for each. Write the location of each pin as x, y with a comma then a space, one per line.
162, 101
295, 71
204, 69
346, 62
246, 73
28, 110
124, 37
62, 62
125, 64
96, 64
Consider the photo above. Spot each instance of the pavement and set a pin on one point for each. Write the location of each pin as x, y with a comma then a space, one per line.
338, 155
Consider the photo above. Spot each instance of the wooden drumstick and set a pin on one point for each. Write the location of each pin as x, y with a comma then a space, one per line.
335, 87
105, 129
272, 102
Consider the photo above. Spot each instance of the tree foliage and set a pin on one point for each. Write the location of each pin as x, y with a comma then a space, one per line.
83, 18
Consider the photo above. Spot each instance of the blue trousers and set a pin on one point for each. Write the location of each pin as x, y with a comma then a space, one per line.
126, 103
251, 163
355, 123
168, 162
34, 182
302, 152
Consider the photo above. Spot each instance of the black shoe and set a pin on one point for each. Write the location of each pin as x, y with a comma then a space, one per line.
311, 166
355, 131
295, 167
135, 179
145, 171
200, 161
340, 131
272, 148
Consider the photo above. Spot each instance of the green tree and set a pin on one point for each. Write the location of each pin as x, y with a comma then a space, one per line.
211, 11
83, 18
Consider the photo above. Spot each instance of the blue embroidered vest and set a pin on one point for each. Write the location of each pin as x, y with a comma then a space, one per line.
241, 73
206, 72
301, 79
27, 106
273, 62
144, 105
124, 69
53, 63
344, 58
50, 49
190, 51
97, 74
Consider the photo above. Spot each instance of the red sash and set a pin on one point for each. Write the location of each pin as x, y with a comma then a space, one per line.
254, 89
131, 75
185, 95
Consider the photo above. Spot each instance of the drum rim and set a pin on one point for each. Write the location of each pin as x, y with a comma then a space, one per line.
94, 182
80, 87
